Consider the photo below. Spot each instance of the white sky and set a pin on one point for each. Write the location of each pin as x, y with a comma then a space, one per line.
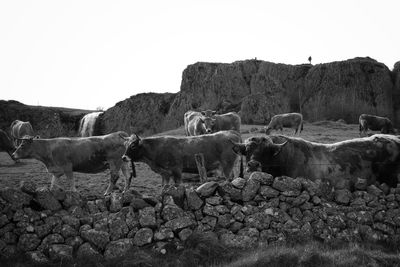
89, 54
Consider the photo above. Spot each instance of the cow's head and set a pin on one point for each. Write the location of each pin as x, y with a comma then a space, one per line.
267, 130
208, 113
209, 124
25, 149
259, 152
132, 148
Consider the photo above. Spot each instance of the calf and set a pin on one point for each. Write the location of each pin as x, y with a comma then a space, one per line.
287, 120
79, 154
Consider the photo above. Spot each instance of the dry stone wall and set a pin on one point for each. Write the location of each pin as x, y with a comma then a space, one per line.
52, 226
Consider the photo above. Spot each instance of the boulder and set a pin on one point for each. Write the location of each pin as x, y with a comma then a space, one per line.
143, 236
60, 252
251, 188
239, 182
163, 233
287, 184
15, 197
115, 202
118, 228
46, 199
180, 223
262, 177
118, 248
147, 217
226, 189
193, 199
99, 239
28, 242
87, 251
207, 189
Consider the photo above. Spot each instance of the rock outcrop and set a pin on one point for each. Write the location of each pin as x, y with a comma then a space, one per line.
396, 92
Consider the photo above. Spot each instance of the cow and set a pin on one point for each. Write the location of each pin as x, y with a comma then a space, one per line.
170, 156
6, 144
79, 154
223, 122
89, 124
375, 123
20, 129
286, 120
194, 123
375, 158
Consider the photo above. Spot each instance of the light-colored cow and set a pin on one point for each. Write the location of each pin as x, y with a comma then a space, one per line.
286, 120
20, 129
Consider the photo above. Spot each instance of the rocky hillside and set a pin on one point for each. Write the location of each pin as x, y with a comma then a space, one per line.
47, 122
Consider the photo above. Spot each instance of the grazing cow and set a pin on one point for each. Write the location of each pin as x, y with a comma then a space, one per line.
375, 123
171, 155
223, 122
79, 154
286, 120
20, 129
6, 144
194, 123
375, 158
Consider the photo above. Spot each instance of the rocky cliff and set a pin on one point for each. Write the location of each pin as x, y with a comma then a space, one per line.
396, 92
47, 122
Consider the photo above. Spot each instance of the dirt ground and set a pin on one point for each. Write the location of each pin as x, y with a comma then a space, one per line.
147, 182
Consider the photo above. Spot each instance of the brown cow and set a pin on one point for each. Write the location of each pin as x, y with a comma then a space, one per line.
194, 123
375, 158
286, 120
79, 154
20, 129
375, 123
172, 155
224, 122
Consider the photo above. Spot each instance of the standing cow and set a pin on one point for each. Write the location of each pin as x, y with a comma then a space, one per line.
79, 154
20, 129
223, 122
6, 144
170, 156
375, 158
375, 123
194, 123
286, 120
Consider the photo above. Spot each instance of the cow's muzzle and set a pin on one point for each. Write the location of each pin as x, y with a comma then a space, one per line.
125, 158
253, 166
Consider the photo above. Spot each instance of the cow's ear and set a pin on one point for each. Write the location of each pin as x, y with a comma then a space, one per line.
137, 137
239, 149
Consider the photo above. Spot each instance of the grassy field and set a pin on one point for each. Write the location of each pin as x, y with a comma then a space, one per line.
148, 182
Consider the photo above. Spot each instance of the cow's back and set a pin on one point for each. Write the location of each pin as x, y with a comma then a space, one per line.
228, 121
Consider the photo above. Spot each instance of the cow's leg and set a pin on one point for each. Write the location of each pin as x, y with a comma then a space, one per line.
54, 181
128, 176
113, 178
177, 174
70, 177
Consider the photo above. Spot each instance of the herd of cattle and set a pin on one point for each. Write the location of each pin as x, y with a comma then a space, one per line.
218, 138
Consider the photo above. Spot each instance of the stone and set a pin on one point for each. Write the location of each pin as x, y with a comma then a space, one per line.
28, 187
342, 196
361, 184
268, 192
248, 231
209, 221
207, 189
28, 242
180, 223
176, 192
300, 200
375, 191
235, 226
115, 202
46, 199
101, 225
68, 231
101, 205
50, 240
262, 177
87, 251
193, 199
239, 182
139, 203
72, 199
226, 189
15, 197
163, 233
60, 252
118, 228
258, 220
287, 184
71, 221
74, 241
43, 230
225, 220
251, 188
99, 239
118, 248
132, 219
222, 209
310, 186
147, 217
92, 207
210, 210
214, 200
3, 220
143, 236
184, 234
170, 212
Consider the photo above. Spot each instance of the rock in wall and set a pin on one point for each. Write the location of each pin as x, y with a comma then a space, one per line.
142, 114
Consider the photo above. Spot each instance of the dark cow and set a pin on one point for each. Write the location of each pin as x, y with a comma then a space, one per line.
286, 120
375, 123
375, 158
20, 129
171, 155
194, 123
224, 122
79, 154
6, 144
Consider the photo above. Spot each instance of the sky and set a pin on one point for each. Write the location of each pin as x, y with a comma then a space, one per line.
93, 54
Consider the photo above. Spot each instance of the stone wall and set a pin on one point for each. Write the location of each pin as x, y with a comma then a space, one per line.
52, 226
